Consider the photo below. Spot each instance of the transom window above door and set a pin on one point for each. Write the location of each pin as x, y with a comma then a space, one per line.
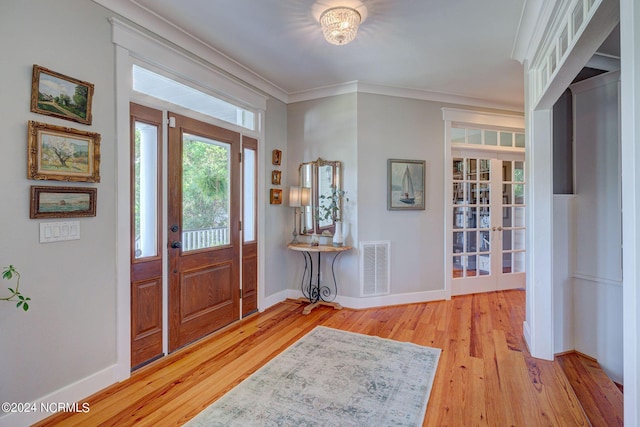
158, 86
461, 135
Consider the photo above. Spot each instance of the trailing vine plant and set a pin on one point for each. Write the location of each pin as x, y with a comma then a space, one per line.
329, 205
22, 301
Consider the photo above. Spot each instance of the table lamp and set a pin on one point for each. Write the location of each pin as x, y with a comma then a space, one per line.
298, 197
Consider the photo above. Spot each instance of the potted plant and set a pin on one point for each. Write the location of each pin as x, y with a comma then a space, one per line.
9, 273
329, 209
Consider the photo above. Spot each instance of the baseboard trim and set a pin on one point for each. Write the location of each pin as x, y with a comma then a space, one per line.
357, 303
526, 332
68, 395
586, 356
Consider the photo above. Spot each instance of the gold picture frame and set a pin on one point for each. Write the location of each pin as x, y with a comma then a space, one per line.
54, 94
62, 202
275, 196
62, 154
276, 157
276, 177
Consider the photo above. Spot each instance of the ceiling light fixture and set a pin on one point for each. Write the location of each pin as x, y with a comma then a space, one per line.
340, 24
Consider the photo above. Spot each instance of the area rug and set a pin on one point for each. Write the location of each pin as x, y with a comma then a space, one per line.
332, 378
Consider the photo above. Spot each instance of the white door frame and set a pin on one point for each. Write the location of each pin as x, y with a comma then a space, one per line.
130, 44
479, 119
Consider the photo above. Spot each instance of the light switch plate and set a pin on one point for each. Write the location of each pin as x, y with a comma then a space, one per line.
59, 231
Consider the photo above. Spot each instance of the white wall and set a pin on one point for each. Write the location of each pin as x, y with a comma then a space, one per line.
65, 347
630, 135
598, 259
276, 222
364, 131
401, 128
564, 241
69, 333
326, 128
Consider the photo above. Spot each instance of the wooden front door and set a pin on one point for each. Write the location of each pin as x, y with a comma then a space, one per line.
204, 221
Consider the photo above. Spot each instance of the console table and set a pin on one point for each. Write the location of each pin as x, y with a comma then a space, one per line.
313, 290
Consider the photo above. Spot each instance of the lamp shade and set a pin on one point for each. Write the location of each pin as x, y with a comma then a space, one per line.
305, 196
295, 197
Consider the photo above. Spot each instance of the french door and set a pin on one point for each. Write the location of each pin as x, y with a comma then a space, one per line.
204, 229
488, 225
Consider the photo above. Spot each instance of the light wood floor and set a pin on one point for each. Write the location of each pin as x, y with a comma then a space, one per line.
486, 376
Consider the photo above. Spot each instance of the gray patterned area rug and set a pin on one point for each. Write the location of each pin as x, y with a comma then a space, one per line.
332, 378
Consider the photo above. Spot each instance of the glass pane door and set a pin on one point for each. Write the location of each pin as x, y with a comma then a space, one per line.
513, 207
205, 193
471, 217
488, 228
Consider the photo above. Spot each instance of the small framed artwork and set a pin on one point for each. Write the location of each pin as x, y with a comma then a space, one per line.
62, 154
55, 94
406, 184
276, 157
62, 202
276, 176
276, 196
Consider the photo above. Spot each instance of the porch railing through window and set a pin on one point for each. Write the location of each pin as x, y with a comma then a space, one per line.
200, 239
204, 238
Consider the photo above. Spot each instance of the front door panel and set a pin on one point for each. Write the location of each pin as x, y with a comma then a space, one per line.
203, 215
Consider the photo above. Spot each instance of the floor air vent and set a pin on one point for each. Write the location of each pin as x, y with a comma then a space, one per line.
375, 259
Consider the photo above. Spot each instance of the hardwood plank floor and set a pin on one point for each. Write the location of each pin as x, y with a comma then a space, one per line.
600, 397
486, 376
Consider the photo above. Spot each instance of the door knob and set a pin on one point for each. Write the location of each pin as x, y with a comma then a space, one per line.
176, 245
174, 228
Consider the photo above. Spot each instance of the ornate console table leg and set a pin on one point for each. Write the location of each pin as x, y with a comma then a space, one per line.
314, 292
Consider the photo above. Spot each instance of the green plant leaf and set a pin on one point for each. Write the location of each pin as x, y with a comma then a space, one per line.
11, 290
25, 306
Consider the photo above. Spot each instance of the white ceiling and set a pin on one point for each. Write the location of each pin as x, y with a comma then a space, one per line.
456, 47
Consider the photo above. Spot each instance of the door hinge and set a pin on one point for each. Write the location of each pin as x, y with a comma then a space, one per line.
240, 293
240, 225
240, 157
171, 122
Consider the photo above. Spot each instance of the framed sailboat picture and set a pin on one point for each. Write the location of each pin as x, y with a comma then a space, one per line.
406, 184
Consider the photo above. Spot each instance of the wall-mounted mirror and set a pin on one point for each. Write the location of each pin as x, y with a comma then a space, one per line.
323, 177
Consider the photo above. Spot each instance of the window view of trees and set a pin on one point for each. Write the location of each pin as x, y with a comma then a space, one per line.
205, 195
205, 184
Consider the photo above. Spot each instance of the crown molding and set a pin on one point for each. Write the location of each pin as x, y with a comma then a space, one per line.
179, 37
535, 19
142, 17
376, 89
600, 61
594, 82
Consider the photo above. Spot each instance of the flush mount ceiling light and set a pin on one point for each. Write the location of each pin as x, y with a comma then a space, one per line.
340, 24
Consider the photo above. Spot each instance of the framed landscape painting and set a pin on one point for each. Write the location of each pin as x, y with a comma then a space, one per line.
62, 154
55, 94
62, 202
406, 184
